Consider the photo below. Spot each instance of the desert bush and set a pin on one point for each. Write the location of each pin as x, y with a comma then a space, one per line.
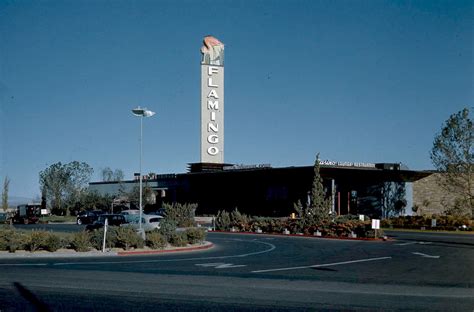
156, 240
128, 238
12, 240
81, 241
52, 242
223, 221
416, 222
346, 218
295, 226
371, 233
97, 238
181, 214
5, 232
16, 241
178, 239
195, 235
167, 228
35, 240
239, 221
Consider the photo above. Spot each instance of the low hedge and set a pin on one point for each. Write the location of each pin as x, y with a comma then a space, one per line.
342, 226
117, 237
449, 223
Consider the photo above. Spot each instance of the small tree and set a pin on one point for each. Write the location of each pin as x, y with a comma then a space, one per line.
133, 196
319, 205
453, 155
181, 214
108, 175
6, 185
393, 199
64, 183
318, 208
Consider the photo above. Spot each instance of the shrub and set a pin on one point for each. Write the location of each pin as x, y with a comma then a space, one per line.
52, 242
97, 238
223, 220
181, 214
65, 241
178, 239
156, 240
295, 226
371, 233
12, 240
16, 241
167, 228
195, 235
128, 238
5, 232
81, 241
239, 221
36, 240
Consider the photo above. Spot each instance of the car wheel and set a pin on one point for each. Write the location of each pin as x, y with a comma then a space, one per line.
79, 221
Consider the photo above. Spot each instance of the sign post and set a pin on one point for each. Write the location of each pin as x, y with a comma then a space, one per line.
105, 234
375, 226
212, 101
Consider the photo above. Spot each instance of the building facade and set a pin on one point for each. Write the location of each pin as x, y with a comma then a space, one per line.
265, 191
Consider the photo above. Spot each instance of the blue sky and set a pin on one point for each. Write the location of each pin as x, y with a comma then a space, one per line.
361, 81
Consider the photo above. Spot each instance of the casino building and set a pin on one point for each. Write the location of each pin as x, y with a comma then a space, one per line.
376, 190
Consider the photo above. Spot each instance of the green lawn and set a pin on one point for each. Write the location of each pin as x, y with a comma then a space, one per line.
58, 219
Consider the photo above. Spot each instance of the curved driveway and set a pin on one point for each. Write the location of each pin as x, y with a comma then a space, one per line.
256, 272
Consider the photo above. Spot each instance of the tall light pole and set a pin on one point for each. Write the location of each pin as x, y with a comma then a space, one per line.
141, 112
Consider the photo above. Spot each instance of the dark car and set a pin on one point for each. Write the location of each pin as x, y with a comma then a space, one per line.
4, 217
112, 220
159, 212
88, 217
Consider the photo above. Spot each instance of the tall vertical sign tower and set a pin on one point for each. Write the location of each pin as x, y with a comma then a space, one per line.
212, 101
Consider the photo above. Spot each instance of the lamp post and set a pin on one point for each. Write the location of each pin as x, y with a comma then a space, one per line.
141, 112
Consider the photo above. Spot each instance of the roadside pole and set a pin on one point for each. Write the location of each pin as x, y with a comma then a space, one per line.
105, 234
375, 226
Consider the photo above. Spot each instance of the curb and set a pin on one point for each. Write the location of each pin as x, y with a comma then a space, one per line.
207, 245
28, 255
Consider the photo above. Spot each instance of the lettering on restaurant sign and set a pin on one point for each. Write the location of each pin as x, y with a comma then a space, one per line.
213, 108
346, 164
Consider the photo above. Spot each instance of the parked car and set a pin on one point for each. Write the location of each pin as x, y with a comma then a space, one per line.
112, 220
149, 222
88, 217
131, 214
159, 212
4, 217
28, 213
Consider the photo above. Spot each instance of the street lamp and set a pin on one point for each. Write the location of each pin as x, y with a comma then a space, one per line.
141, 112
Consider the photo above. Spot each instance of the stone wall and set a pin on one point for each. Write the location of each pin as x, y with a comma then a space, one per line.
429, 197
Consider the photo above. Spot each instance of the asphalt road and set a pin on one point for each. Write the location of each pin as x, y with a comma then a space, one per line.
415, 272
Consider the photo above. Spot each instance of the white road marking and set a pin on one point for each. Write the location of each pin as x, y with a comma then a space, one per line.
221, 265
425, 255
23, 264
413, 243
323, 265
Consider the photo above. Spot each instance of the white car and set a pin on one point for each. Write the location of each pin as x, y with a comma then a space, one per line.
131, 215
149, 222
